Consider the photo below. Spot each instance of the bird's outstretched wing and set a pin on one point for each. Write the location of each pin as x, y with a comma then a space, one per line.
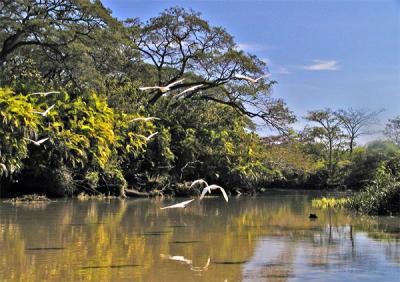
224, 193
48, 109
198, 181
252, 80
204, 192
44, 93
42, 140
149, 88
151, 136
188, 90
175, 82
144, 119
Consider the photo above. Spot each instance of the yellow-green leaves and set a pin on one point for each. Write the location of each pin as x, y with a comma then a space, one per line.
16, 123
83, 132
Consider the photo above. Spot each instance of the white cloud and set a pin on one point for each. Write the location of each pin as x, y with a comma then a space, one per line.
322, 65
252, 47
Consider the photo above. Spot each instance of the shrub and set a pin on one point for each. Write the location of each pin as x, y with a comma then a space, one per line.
381, 196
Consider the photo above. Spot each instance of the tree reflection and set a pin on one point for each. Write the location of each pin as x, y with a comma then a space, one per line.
116, 240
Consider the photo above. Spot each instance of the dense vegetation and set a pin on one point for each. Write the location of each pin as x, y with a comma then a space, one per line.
97, 127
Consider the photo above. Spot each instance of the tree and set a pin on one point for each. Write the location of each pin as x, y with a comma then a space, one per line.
47, 24
73, 44
328, 131
179, 44
354, 121
392, 130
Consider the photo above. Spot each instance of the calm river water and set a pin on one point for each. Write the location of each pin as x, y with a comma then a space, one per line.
268, 238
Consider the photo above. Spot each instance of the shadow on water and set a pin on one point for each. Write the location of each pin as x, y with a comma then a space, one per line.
44, 249
230, 262
247, 239
110, 266
184, 242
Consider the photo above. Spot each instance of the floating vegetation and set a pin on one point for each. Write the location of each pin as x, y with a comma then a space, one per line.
33, 198
326, 203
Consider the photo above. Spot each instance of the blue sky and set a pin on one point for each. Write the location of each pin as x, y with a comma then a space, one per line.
336, 54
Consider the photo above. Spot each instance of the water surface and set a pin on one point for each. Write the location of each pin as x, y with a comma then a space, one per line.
268, 238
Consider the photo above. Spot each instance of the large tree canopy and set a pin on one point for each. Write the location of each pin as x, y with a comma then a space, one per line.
179, 44
48, 24
66, 42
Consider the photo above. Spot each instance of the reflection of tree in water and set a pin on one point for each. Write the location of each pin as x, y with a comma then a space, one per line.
111, 240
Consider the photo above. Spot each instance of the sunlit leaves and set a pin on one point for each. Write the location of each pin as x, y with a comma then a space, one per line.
16, 123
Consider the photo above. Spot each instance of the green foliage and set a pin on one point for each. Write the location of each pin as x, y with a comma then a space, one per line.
382, 195
87, 142
17, 122
365, 161
76, 47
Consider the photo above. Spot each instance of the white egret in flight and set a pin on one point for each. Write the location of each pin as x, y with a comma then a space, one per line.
213, 187
45, 113
252, 80
44, 94
179, 205
144, 119
38, 142
163, 89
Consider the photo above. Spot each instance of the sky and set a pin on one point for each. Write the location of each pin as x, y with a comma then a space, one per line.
331, 53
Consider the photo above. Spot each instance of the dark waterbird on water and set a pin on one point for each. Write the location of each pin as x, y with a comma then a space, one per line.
312, 216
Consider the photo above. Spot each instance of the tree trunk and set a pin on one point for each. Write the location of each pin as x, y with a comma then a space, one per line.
351, 145
330, 156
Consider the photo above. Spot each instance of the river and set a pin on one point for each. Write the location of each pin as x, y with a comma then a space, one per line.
263, 238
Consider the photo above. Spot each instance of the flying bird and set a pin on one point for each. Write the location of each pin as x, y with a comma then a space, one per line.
38, 142
151, 136
179, 205
188, 90
44, 94
252, 80
45, 113
144, 119
213, 187
163, 89
198, 181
